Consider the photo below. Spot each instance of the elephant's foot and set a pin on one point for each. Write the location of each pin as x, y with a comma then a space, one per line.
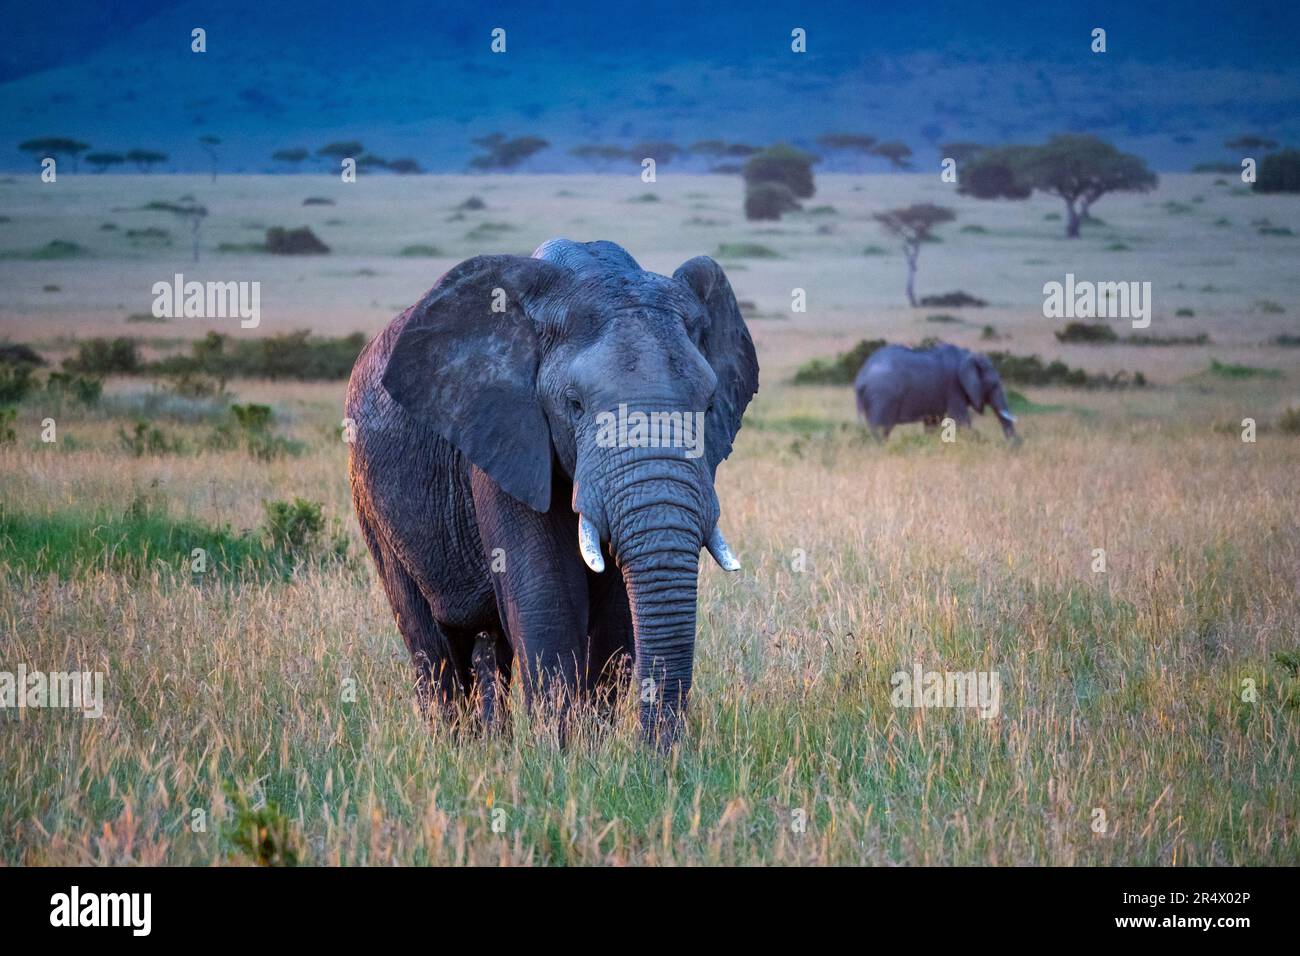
489, 684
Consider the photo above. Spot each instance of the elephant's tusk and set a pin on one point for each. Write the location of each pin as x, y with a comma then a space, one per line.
721, 551
1007, 417
589, 544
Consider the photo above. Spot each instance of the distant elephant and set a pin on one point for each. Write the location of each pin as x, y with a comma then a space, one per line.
492, 483
898, 384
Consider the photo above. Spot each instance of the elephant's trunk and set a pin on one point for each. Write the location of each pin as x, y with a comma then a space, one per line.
1005, 418
656, 511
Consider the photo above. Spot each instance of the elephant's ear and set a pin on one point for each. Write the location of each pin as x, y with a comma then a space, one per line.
466, 364
725, 343
968, 374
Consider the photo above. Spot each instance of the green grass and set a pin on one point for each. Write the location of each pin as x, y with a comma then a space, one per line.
144, 538
1233, 371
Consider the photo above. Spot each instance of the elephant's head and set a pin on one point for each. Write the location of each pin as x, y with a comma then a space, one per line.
983, 386
563, 372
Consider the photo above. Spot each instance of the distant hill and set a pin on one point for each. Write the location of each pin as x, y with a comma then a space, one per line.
418, 80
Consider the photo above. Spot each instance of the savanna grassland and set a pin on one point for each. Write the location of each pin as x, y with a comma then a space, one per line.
272, 692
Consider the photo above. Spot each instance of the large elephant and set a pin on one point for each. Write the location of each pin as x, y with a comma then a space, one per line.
898, 384
492, 482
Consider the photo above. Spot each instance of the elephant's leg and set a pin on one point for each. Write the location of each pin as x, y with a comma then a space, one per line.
613, 649
491, 669
541, 588
437, 677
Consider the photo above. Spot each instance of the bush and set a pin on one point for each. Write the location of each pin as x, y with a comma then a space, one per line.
744, 250
293, 526
769, 201
19, 354
1031, 370
953, 300
294, 242
265, 835
105, 357
87, 391
16, 383
1289, 421
249, 427
840, 370
782, 164
292, 355
7, 418
420, 251
1279, 173
1228, 370
1087, 332
147, 439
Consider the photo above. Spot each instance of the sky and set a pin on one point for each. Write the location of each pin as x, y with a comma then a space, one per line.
419, 80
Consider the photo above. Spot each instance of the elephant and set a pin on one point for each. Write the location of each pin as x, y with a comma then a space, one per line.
493, 489
897, 384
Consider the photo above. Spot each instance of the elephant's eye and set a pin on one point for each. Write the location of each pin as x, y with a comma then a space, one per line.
575, 403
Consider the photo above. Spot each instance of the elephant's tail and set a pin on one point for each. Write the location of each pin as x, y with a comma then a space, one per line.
863, 410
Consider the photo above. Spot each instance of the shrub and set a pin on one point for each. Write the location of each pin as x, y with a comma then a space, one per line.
291, 355
105, 357
7, 417
318, 201
769, 201
147, 439
19, 354
472, 203
420, 251
16, 383
1185, 313
264, 834
1279, 173
744, 250
293, 526
1228, 370
1289, 421
952, 300
840, 370
249, 428
85, 390
294, 242
782, 164
1087, 332
1031, 370
943, 318
1140, 339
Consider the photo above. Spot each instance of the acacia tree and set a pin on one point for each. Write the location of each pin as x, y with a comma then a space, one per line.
188, 212
145, 159
503, 153
55, 146
599, 155
1079, 169
293, 157
898, 154
913, 225
847, 143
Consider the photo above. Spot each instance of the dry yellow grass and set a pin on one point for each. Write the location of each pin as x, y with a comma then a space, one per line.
1121, 692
